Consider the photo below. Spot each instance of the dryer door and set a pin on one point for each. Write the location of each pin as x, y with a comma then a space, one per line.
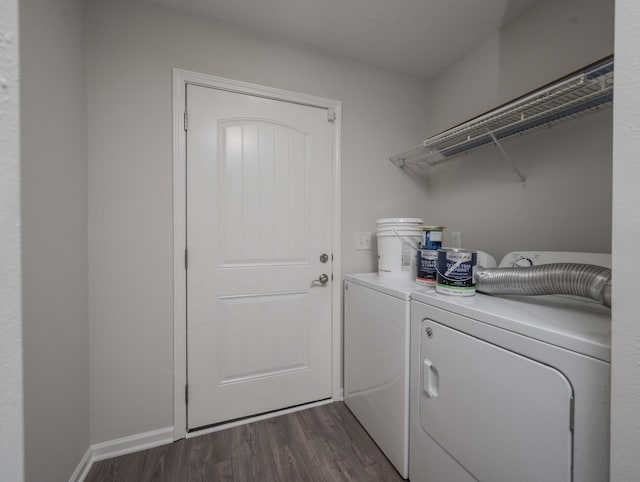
502, 416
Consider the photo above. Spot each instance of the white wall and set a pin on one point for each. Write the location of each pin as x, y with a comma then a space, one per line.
54, 237
549, 41
132, 47
566, 204
11, 394
625, 396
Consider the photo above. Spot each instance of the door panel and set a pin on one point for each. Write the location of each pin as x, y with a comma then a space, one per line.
263, 193
259, 178
501, 416
243, 354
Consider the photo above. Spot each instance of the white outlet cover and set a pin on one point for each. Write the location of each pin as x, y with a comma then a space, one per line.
363, 240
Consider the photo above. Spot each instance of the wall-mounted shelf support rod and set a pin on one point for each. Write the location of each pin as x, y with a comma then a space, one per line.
523, 178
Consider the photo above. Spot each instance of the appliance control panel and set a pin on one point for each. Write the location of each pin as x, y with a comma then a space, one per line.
535, 258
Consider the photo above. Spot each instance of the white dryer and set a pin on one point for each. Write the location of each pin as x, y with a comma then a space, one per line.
376, 360
510, 388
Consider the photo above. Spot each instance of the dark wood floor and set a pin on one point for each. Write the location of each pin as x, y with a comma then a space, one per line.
324, 443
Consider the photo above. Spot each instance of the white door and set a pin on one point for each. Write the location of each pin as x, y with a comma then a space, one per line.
259, 218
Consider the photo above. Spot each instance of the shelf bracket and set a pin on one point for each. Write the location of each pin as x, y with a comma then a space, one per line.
398, 161
498, 144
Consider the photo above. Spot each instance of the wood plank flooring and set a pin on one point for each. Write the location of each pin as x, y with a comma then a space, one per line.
324, 443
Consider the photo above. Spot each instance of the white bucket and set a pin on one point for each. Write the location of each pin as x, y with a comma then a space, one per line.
398, 240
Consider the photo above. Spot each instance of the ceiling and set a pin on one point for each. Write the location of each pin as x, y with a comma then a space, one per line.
420, 37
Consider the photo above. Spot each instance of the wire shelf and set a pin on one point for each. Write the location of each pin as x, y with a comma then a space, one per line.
587, 91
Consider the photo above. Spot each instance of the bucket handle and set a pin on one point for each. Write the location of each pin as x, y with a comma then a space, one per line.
404, 241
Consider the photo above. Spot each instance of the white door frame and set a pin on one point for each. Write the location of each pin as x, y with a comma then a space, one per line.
334, 108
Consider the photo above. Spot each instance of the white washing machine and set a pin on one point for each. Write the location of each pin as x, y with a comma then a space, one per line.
510, 388
376, 361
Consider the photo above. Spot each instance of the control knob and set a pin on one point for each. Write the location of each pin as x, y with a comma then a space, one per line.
522, 262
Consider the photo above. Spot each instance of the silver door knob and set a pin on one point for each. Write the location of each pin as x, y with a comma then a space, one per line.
323, 279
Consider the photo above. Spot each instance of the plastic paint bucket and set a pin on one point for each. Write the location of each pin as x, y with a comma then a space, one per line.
398, 241
456, 272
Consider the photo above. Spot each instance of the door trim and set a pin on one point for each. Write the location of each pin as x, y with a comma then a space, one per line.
180, 79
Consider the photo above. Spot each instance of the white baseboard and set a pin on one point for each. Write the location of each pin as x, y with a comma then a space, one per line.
132, 443
121, 446
83, 468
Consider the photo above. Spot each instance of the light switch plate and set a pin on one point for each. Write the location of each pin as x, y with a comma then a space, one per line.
363, 240
456, 239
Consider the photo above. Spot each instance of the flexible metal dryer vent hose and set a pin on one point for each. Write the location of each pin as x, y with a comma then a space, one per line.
575, 279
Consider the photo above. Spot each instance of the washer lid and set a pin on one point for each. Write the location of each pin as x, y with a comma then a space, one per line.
399, 288
580, 326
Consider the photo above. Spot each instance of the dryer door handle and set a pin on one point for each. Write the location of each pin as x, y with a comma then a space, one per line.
430, 379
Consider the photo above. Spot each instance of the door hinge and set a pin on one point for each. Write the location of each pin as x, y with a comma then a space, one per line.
331, 114
572, 411
186, 258
186, 121
186, 394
